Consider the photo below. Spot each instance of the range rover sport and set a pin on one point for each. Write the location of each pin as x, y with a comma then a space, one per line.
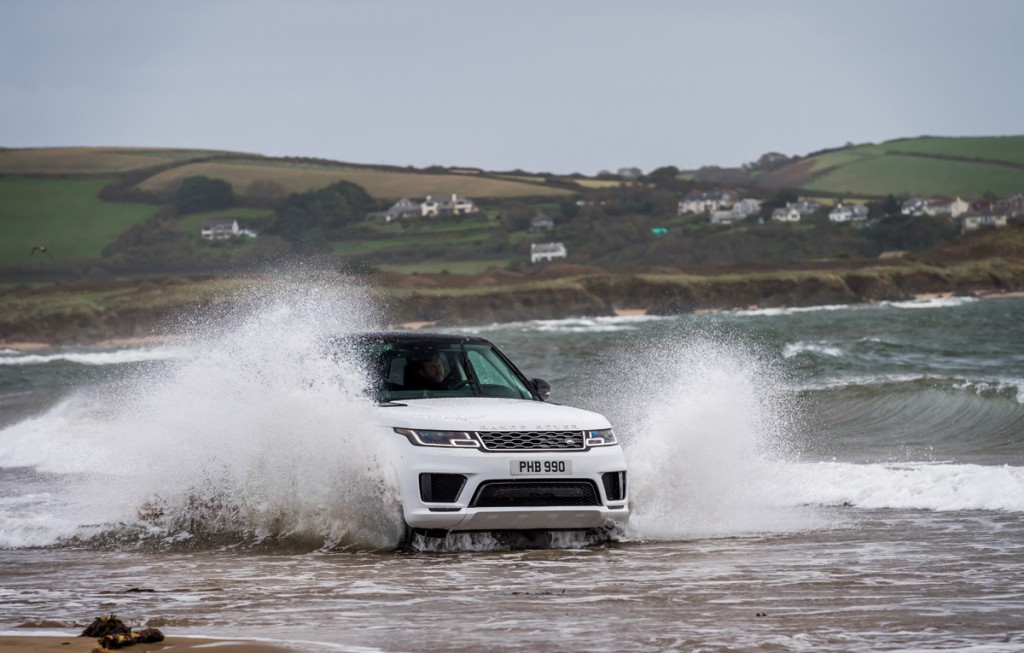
476, 445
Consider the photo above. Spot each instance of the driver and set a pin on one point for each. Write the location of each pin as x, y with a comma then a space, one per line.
426, 374
431, 371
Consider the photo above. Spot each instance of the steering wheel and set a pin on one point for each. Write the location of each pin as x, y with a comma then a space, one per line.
449, 383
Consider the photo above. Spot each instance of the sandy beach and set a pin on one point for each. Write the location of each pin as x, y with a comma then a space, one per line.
75, 644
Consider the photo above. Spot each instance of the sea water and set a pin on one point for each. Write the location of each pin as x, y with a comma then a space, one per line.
836, 478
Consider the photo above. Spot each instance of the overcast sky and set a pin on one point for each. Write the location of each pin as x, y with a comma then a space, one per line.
543, 85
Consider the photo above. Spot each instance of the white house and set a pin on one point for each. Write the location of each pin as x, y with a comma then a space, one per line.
848, 213
946, 207
788, 214
540, 252
987, 219
805, 207
704, 202
456, 205
431, 206
219, 228
936, 207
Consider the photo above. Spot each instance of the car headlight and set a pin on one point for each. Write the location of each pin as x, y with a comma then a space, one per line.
440, 438
601, 438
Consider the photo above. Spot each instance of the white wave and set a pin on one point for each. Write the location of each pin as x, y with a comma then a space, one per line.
794, 349
791, 310
997, 385
939, 487
977, 386
607, 324
41, 529
865, 380
117, 357
932, 302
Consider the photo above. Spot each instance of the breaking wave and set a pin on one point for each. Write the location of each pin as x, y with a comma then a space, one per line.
114, 357
792, 350
940, 487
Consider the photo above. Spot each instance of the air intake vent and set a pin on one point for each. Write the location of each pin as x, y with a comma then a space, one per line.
614, 485
535, 494
441, 488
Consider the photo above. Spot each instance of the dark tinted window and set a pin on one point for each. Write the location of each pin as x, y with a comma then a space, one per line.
420, 369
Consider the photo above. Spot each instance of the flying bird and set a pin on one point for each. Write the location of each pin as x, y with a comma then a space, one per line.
42, 250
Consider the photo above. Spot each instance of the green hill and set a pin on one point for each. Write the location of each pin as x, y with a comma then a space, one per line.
64, 215
968, 167
113, 211
76, 201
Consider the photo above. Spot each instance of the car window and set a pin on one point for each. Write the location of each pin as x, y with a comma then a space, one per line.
418, 370
494, 376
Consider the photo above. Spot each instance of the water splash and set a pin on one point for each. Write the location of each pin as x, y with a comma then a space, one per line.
706, 429
254, 434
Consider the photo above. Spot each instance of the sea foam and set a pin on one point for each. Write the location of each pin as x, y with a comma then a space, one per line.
940, 487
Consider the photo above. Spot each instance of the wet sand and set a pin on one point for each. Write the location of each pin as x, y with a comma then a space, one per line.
75, 644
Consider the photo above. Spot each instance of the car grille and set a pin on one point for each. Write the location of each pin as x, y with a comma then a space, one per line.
535, 494
532, 440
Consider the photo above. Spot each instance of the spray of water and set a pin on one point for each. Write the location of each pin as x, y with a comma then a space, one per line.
706, 426
257, 435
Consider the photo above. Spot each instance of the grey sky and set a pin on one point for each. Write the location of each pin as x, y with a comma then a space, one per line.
561, 86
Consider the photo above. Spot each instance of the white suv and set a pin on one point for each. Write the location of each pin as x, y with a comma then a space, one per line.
477, 447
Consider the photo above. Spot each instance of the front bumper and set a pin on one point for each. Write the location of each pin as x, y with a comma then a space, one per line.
493, 469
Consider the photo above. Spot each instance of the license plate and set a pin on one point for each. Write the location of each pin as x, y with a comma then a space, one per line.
541, 467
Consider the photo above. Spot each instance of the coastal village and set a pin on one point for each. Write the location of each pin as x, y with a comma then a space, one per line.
722, 208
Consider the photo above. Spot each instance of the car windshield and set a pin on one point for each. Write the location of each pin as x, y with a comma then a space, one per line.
419, 370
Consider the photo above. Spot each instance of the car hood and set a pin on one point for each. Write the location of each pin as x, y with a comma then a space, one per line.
487, 414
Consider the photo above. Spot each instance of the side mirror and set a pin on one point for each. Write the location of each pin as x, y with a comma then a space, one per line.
542, 388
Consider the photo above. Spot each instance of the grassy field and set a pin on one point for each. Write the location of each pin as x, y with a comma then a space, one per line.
412, 240
901, 175
88, 160
298, 177
1004, 148
64, 215
471, 267
598, 183
926, 166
